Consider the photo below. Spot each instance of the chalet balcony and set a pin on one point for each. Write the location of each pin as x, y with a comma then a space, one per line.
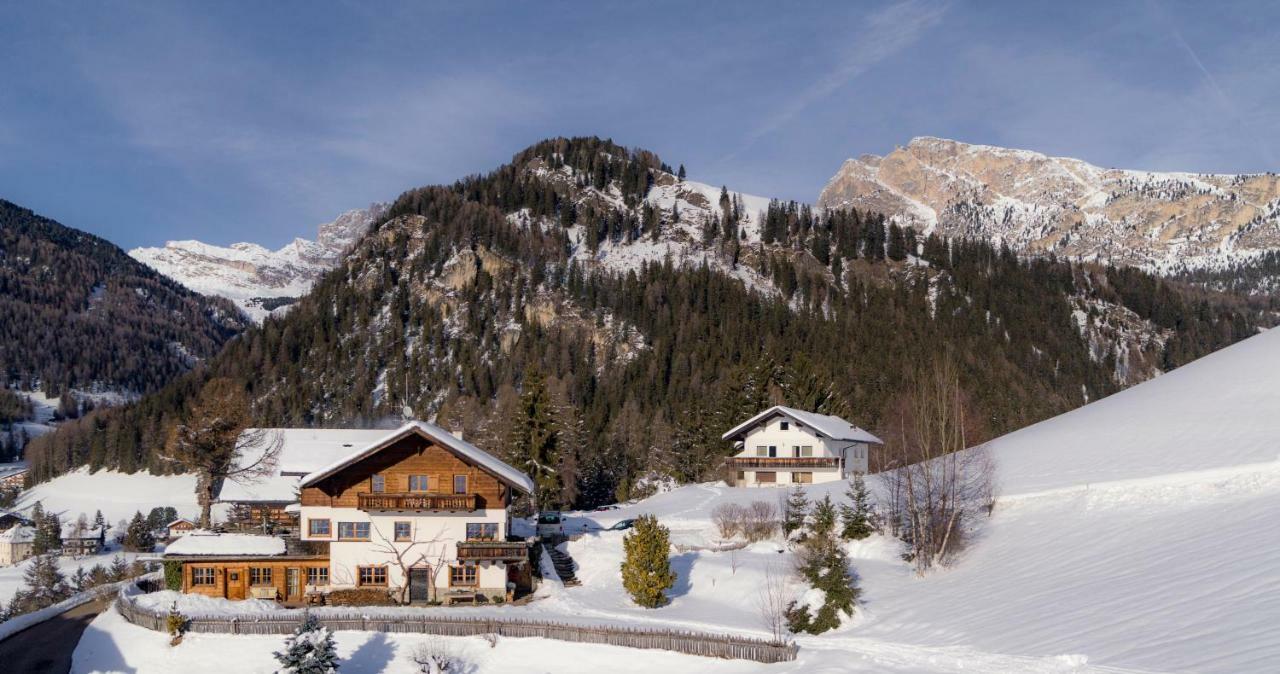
493, 551
411, 501
782, 462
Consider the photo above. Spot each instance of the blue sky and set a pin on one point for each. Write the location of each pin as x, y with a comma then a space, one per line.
255, 121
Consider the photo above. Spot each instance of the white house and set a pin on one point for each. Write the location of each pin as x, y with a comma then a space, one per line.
783, 445
16, 544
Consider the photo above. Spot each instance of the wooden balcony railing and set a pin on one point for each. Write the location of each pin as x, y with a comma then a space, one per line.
783, 462
508, 551
410, 501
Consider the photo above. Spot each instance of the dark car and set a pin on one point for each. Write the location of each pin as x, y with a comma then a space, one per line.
622, 525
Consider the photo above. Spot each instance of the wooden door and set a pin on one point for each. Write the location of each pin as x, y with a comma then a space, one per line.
292, 584
235, 583
419, 584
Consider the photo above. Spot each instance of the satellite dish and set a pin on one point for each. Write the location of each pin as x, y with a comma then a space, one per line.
407, 412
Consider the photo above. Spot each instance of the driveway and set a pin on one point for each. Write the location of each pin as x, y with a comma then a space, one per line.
46, 648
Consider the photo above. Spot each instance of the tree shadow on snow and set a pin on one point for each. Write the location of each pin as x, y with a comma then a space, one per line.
682, 565
371, 656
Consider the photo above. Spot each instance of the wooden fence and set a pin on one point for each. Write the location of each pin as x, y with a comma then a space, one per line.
285, 622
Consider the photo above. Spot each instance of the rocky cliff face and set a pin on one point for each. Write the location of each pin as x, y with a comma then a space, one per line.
257, 279
1163, 222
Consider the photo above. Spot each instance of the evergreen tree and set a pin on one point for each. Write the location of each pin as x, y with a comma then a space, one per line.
532, 439
646, 571
855, 516
681, 174
118, 570
45, 584
309, 650
139, 536
824, 564
797, 509
100, 522
48, 534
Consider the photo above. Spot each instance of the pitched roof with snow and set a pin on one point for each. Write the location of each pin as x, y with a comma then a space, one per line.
69, 532
179, 521
201, 543
826, 425
438, 435
19, 534
302, 451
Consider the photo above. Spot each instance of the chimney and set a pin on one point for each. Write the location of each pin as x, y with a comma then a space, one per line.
457, 433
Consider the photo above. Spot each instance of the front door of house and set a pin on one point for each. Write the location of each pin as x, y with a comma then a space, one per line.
292, 584
419, 584
235, 583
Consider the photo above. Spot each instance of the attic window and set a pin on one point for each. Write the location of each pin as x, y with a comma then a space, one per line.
785, 425
346, 444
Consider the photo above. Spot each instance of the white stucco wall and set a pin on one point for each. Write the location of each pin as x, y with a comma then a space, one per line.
434, 544
770, 434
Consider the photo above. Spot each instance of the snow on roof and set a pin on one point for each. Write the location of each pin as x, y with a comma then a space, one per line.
69, 531
302, 451
829, 426
485, 460
179, 521
12, 469
19, 534
202, 543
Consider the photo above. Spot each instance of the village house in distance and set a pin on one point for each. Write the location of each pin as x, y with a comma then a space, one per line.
417, 513
783, 446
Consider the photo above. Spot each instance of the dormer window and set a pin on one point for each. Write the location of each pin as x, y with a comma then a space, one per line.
785, 425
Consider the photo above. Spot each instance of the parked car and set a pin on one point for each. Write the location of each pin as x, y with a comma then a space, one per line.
622, 525
550, 524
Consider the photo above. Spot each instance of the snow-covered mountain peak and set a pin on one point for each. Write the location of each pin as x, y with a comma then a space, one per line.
256, 278
1162, 221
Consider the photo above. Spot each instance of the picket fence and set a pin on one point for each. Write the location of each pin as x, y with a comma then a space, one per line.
285, 622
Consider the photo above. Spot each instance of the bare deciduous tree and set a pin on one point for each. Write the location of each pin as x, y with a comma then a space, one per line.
772, 603
215, 444
412, 553
936, 483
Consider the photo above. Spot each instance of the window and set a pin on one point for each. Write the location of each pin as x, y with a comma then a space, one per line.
802, 478
259, 575
795, 450
372, 575
806, 450
462, 575
742, 475
418, 483
379, 484
404, 532
319, 528
353, 531
459, 484
318, 575
482, 531
201, 576
785, 425
773, 451
768, 476
762, 451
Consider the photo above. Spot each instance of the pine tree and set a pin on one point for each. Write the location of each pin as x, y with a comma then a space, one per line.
99, 522
309, 650
118, 570
139, 537
855, 516
681, 174
532, 438
825, 565
797, 508
646, 571
45, 584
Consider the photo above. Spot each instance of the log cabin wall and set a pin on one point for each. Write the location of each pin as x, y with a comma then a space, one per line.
241, 588
412, 455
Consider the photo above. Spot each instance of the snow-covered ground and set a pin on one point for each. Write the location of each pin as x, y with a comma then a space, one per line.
117, 495
1135, 534
11, 576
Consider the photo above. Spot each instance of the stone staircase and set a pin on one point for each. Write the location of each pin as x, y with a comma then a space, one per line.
563, 563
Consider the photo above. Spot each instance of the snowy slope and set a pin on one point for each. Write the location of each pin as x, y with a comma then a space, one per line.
117, 495
248, 273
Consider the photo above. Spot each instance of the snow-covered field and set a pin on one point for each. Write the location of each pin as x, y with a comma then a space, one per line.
11, 576
1135, 534
117, 495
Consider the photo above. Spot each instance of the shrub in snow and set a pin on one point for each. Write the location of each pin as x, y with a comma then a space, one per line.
176, 624
855, 516
309, 650
761, 521
172, 575
728, 518
823, 563
436, 657
646, 570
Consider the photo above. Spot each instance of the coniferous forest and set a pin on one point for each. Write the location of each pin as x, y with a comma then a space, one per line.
77, 312
483, 304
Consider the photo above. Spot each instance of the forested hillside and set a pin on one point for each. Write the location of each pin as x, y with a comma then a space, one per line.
77, 312
584, 312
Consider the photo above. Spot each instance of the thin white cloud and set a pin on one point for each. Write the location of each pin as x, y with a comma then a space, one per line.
885, 33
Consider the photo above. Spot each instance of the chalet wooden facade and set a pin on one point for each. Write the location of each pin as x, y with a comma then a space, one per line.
179, 528
419, 513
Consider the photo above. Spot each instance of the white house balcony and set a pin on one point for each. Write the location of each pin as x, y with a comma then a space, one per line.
782, 462
412, 501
